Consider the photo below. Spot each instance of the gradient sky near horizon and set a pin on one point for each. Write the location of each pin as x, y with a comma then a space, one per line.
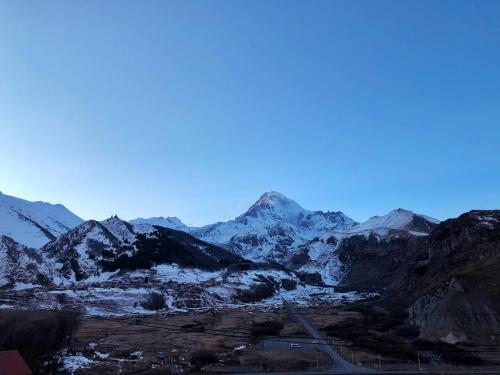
195, 108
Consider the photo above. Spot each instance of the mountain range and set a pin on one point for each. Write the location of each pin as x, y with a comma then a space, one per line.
274, 229
441, 272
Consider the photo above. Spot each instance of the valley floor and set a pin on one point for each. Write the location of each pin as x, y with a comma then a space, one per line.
117, 335
135, 344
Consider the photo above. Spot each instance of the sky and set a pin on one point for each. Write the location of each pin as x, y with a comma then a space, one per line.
195, 108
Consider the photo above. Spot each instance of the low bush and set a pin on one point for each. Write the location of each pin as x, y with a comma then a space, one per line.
193, 327
448, 352
288, 284
312, 278
387, 345
348, 329
408, 331
155, 301
255, 293
202, 358
267, 328
37, 335
302, 364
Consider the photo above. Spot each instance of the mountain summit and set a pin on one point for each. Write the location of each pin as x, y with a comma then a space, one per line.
272, 227
277, 204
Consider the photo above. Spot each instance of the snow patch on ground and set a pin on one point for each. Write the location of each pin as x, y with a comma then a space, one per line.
23, 286
487, 221
172, 272
74, 362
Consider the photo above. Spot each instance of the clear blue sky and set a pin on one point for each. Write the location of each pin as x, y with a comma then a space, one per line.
194, 108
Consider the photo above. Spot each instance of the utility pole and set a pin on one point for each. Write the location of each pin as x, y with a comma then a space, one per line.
418, 357
379, 363
352, 356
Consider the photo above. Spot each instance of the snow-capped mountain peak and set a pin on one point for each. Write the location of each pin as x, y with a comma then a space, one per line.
276, 201
276, 204
272, 227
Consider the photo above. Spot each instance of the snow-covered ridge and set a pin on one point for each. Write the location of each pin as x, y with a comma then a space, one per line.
167, 222
399, 219
78, 251
34, 223
321, 254
122, 230
272, 228
22, 264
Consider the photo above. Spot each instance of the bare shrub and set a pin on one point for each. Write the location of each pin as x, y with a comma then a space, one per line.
37, 335
267, 328
203, 357
155, 301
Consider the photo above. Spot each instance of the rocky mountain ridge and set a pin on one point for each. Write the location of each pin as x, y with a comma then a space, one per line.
442, 273
448, 280
274, 229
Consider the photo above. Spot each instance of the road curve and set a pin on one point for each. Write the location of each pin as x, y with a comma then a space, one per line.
340, 364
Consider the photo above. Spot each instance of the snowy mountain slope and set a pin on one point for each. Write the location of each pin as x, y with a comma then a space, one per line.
141, 225
399, 219
123, 231
20, 264
167, 246
34, 223
272, 228
94, 247
78, 251
322, 253
318, 255
186, 290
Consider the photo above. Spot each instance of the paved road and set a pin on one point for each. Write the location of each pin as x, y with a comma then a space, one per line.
340, 364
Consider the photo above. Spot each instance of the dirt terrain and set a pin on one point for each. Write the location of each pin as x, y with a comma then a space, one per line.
110, 342
375, 334
367, 333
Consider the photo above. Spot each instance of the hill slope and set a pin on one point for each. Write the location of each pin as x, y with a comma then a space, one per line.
335, 254
34, 223
448, 280
21, 264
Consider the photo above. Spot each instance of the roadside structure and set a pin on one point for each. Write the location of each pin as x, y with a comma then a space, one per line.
12, 363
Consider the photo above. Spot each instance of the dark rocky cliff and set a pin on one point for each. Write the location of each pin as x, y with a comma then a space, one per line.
449, 281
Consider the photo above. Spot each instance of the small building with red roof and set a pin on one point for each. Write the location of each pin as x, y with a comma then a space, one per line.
12, 363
